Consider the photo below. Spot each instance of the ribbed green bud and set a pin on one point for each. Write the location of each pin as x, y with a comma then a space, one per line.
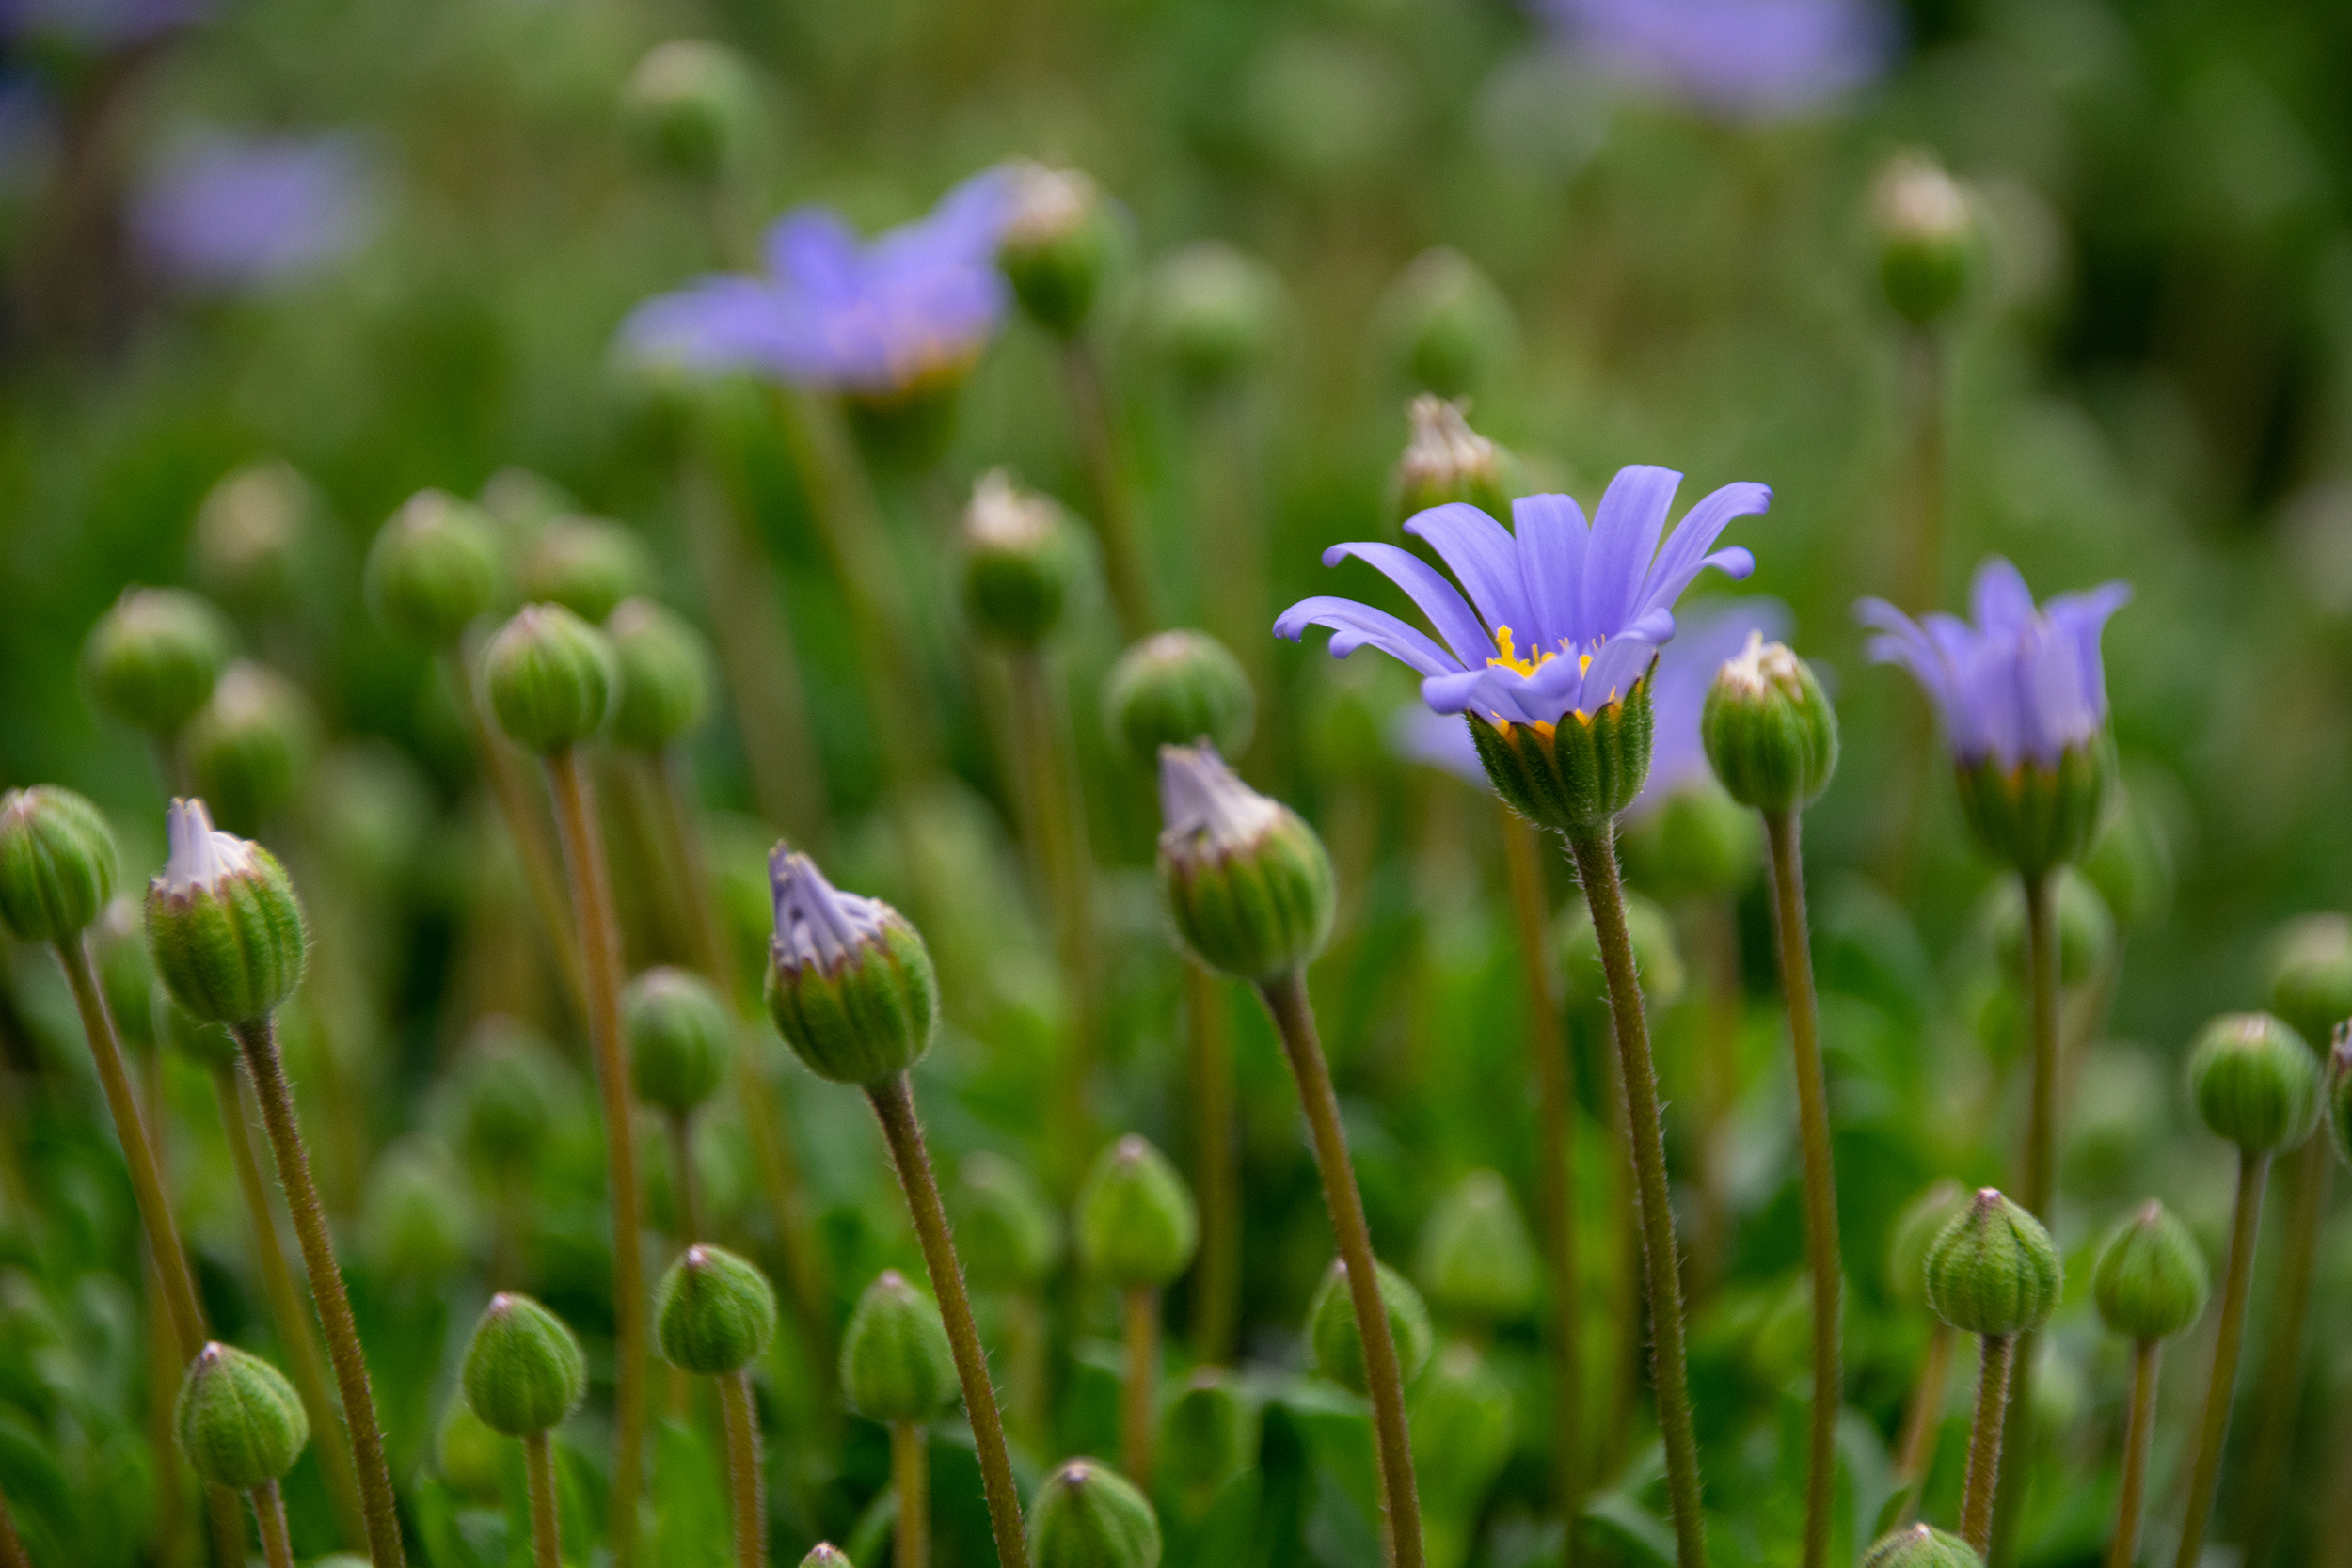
152, 659
433, 568
826, 1555
1175, 687
1927, 238
2085, 928
2131, 864
1771, 732
1087, 1516
250, 533
851, 985
2150, 1280
1057, 247
1922, 1220
1019, 562
1461, 1429
1476, 1257
223, 923
1136, 1222
586, 564
1694, 842
507, 1087
56, 863
2310, 976
896, 1362
1575, 774
1207, 1435
552, 678
1657, 959
1921, 1546
664, 667
1445, 460
1210, 313
2340, 1091
2033, 818
681, 1035
691, 108
416, 1223
238, 1421
1246, 881
2255, 1082
1993, 1271
1010, 1236
524, 1369
250, 746
1339, 1348
1448, 327
714, 1313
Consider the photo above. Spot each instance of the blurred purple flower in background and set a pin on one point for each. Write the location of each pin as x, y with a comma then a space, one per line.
97, 22
232, 212
1742, 59
871, 319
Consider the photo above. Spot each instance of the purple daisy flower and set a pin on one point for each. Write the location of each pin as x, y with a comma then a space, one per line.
1743, 59
236, 212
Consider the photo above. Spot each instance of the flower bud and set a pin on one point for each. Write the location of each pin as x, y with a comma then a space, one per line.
2255, 1082
551, 677
524, 1369
2310, 976
250, 746
714, 1313
433, 568
223, 922
507, 1089
896, 1362
1136, 1223
1461, 1429
2150, 1280
2340, 1091
251, 532
1057, 247
1993, 1271
1339, 1348
1921, 1546
1476, 1257
586, 564
237, 1418
1769, 731
1448, 327
826, 1555
1019, 562
849, 983
1586, 770
1657, 959
2085, 929
691, 107
680, 1034
1248, 882
664, 668
415, 1225
1010, 1236
1694, 842
152, 659
1915, 1229
1087, 1516
2034, 817
1210, 312
2130, 862
1175, 687
1448, 461
56, 863
1927, 238
1207, 1436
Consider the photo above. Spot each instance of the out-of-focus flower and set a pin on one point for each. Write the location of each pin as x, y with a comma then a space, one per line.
873, 319
1741, 59
98, 24
233, 212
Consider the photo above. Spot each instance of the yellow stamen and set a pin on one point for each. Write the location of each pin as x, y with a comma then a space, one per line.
1510, 660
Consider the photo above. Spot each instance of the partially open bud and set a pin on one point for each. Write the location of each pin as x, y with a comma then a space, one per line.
238, 1420
1446, 460
1019, 562
1927, 238
1340, 1348
524, 1369
56, 863
1448, 327
1697, 842
714, 1313
691, 107
1057, 247
1771, 732
2310, 976
1210, 313
1087, 1516
152, 659
248, 549
1136, 1223
851, 985
1993, 1271
433, 568
1461, 1428
2085, 928
1175, 687
223, 922
896, 1361
1922, 1220
2151, 1281
1207, 1435
680, 1034
1921, 1546
1476, 1257
251, 744
2340, 1091
2255, 1082
586, 564
664, 668
1010, 1236
551, 677
2036, 818
1247, 881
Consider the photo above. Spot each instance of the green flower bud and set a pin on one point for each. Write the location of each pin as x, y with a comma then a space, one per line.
1993, 1271
1019, 562
1769, 731
896, 1362
2034, 817
1057, 247
524, 1371
1574, 774
433, 568
2085, 929
826, 1555
238, 1420
551, 677
250, 746
507, 1090
224, 923
691, 108
680, 1034
2151, 1281
664, 667
1207, 1435
520, 502
1010, 1236
416, 1223
152, 660
2340, 1091
1461, 1429
851, 985
1448, 327
125, 973
1175, 687
1656, 957
1247, 881
472, 1458
586, 564
1210, 312
1136, 1223
1448, 461
1922, 1220
2131, 864
1087, 1516
1476, 1257
56, 863
714, 1313
250, 533
2310, 976
1921, 1546
1694, 842
2255, 1082
1339, 1348
1927, 238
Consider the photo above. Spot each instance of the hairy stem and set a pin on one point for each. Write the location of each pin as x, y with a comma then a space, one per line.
2258, 1503
269, 1513
2138, 1431
546, 1539
746, 1482
1114, 513
2040, 1185
1217, 1282
1140, 1395
1984, 1440
2252, 1172
909, 1477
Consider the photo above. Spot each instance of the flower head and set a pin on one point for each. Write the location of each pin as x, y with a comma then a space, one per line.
849, 983
1741, 59
246, 212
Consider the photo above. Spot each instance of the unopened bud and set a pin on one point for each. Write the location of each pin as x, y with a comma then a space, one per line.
1136, 1222
524, 1369
507, 1089
586, 564
2340, 1091
551, 676
1449, 328
896, 1362
680, 1032
1769, 731
1921, 1546
2150, 1280
56, 863
1019, 562
1339, 1346
223, 922
1207, 1435
2255, 1082
1211, 313
1248, 882
1057, 247
1461, 1428
714, 1313
433, 568
2310, 976
238, 1421
1010, 1236
1176, 687
851, 985
691, 107
415, 1223
1446, 460
250, 533
664, 668
152, 659
826, 1555
1476, 1257
1993, 1271
251, 744
1087, 1516
1927, 238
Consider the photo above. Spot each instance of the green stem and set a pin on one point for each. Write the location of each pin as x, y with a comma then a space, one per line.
689, 1225
1596, 853
1984, 1440
2282, 1356
2253, 1170
1925, 354
2138, 1431
1056, 837
1924, 1421
1294, 1022
546, 1539
1114, 506
269, 1513
746, 1483
1217, 1282
893, 1100
1139, 1394
909, 1477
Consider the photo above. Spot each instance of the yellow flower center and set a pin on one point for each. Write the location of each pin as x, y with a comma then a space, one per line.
1506, 649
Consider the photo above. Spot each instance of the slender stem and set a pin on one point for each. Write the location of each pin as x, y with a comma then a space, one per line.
745, 1480
1924, 1420
1596, 853
1114, 507
1140, 1396
1984, 1440
1024, 1326
893, 1100
257, 1041
269, 1513
2252, 1171
1820, 1182
1555, 1190
2282, 1355
909, 1477
681, 1129
1217, 1282
287, 1310
1718, 924
1295, 1021
2138, 1431
1056, 835
600, 954
1925, 352
547, 1538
